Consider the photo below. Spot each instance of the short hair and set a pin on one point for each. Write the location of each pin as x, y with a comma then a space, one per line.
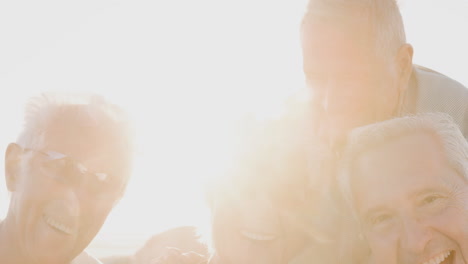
83, 109
438, 125
384, 16
90, 111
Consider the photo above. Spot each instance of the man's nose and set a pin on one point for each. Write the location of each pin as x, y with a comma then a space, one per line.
415, 236
71, 201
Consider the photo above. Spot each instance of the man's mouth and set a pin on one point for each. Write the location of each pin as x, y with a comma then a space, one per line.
58, 225
257, 236
443, 258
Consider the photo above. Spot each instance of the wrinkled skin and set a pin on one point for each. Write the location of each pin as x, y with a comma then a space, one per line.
53, 222
412, 204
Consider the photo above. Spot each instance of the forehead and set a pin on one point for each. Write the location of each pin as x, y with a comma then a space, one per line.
336, 43
98, 147
399, 169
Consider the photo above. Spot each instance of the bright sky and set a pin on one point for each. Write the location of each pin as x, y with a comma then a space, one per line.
185, 70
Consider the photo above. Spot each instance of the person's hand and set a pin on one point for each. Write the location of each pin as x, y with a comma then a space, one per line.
175, 256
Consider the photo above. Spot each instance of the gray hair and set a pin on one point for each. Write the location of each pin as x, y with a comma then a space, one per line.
438, 125
89, 110
387, 28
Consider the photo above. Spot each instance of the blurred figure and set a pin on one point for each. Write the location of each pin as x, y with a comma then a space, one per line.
359, 69
265, 211
407, 181
68, 168
262, 209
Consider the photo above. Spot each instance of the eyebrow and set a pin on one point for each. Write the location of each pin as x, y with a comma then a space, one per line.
380, 208
429, 190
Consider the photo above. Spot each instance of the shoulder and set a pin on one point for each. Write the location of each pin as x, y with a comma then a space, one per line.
432, 78
439, 93
85, 258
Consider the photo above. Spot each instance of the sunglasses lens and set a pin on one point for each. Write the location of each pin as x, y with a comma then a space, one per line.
55, 169
67, 171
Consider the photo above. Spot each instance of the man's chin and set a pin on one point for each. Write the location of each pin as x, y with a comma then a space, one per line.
335, 132
51, 252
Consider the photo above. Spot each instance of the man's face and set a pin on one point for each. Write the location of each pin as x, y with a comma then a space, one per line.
55, 217
349, 84
412, 205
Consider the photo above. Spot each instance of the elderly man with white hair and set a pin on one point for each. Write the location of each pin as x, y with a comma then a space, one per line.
359, 69
66, 171
406, 180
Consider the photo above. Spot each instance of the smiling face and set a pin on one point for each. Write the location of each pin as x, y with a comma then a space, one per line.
54, 220
247, 230
258, 207
350, 85
412, 205
257, 226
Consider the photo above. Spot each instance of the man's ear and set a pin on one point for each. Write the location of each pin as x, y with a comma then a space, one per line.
404, 61
12, 163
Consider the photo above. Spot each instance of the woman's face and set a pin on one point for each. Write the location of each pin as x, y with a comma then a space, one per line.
248, 230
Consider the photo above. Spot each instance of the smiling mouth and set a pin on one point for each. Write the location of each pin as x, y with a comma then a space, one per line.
257, 236
447, 255
59, 226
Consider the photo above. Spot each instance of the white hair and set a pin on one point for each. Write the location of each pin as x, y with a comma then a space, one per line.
438, 125
42, 111
384, 16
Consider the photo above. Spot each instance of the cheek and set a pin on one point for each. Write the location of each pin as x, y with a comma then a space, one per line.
224, 230
95, 214
383, 250
29, 200
226, 238
387, 92
92, 218
452, 224
364, 98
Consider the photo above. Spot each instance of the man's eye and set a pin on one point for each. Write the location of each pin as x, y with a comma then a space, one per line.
380, 219
434, 204
55, 168
432, 199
